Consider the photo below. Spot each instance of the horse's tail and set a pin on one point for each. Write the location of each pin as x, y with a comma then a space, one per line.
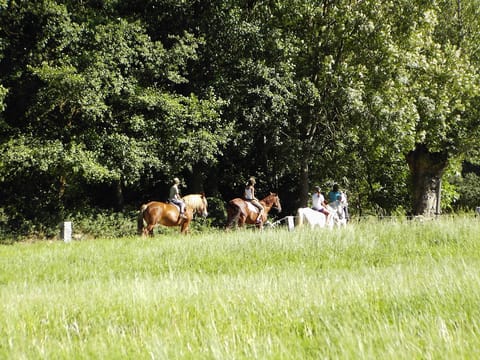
140, 220
233, 213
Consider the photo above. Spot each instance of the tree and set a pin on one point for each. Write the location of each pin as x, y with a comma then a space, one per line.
103, 92
332, 59
125, 94
443, 84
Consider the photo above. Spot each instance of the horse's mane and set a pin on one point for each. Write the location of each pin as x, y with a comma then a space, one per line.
195, 201
269, 198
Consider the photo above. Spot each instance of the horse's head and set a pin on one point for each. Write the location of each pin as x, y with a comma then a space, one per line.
275, 201
198, 203
204, 211
278, 206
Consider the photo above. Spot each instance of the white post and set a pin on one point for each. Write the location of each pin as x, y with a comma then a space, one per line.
290, 222
67, 231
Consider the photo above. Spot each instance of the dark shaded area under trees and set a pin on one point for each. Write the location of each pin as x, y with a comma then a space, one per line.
102, 103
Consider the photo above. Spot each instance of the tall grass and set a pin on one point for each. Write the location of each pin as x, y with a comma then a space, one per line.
374, 290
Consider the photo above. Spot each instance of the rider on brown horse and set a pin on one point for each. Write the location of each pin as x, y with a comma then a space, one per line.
239, 212
175, 198
249, 195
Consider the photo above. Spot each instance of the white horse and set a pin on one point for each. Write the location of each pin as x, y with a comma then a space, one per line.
337, 211
316, 218
312, 218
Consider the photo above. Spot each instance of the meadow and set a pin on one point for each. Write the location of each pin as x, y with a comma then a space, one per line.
374, 290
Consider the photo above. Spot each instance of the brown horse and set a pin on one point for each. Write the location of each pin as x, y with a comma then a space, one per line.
167, 214
242, 212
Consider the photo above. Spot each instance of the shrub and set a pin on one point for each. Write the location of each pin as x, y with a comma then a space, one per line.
469, 189
104, 223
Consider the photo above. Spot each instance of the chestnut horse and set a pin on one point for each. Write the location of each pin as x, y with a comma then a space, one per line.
242, 212
167, 214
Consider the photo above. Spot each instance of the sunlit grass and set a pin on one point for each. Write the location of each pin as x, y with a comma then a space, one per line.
374, 290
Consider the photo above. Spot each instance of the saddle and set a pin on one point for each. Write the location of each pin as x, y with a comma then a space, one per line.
252, 207
174, 203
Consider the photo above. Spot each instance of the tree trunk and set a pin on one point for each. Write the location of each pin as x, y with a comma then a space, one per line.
426, 169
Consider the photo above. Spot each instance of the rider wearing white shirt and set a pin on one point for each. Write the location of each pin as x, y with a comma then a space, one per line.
175, 197
318, 201
249, 195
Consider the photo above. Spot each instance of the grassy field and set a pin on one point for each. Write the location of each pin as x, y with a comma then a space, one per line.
405, 290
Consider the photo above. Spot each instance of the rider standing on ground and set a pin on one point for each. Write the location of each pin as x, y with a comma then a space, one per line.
249, 195
318, 201
175, 197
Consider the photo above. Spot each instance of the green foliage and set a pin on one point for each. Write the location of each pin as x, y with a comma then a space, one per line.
126, 94
103, 224
25, 156
3, 94
217, 212
38, 175
106, 104
468, 189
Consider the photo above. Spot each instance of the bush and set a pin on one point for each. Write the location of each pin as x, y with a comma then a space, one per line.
217, 213
104, 223
469, 189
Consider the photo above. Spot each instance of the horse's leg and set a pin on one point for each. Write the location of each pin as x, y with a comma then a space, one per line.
241, 220
334, 221
229, 223
145, 230
140, 221
259, 225
184, 226
328, 219
233, 216
230, 218
149, 230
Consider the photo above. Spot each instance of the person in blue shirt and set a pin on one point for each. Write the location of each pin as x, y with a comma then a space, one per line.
338, 198
334, 194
